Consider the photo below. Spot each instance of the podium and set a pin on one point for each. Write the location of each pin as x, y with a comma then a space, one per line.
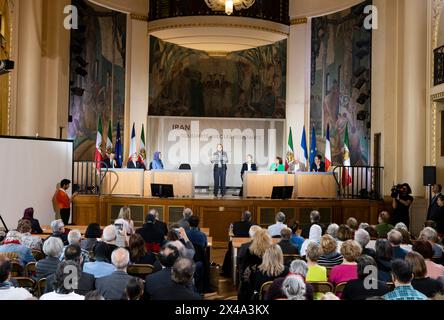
258, 184
123, 182
316, 185
182, 181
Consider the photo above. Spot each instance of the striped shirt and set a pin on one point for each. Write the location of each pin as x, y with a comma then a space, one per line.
405, 293
330, 260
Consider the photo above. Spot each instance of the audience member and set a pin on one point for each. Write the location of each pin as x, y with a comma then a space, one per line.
109, 237
74, 238
35, 224
138, 252
294, 288
395, 239
196, 236
424, 248
332, 230
101, 267
27, 239
7, 290
152, 235
384, 255
372, 232
124, 219
58, 231
384, 226
94, 296
367, 285
438, 218
244, 248
402, 274
422, 283
162, 226
295, 238
352, 223
363, 238
183, 223
285, 244
275, 229
92, 234
300, 268
52, 248
316, 273
241, 228
315, 219
348, 270
330, 257
112, 287
134, 289
344, 233
430, 235
314, 236
64, 275
363, 225
12, 244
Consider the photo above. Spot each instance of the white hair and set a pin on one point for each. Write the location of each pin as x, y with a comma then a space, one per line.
429, 234
74, 237
53, 247
299, 267
333, 230
363, 225
280, 217
109, 233
56, 225
401, 225
120, 258
294, 288
362, 237
13, 235
187, 212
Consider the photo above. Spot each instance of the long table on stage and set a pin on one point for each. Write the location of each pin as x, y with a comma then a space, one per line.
124, 182
306, 184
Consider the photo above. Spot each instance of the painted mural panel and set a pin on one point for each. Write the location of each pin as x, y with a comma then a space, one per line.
341, 82
243, 84
98, 51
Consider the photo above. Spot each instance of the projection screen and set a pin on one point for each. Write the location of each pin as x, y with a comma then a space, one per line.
30, 170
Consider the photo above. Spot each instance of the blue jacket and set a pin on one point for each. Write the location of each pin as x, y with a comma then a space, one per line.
24, 253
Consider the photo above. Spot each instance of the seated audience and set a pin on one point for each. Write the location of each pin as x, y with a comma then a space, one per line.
244, 248
12, 244
294, 288
85, 280
61, 277
372, 232
92, 234
300, 268
52, 248
422, 283
134, 289
196, 236
344, 234
112, 287
314, 236
332, 230
348, 270
7, 290
316, 273
402, 274
330, 256
101, 267
27, 239
124, 219
363, 225
315, 218
178, 288
275, 291
138, 252
58, 231
384, 226
162, 226
295, 238
363, 238
109, 237
358, 289
152, 235
384, 255
352, 223
395, 239
180, 235
285, 244
275, 229
74, 238
430, 235
434, 270
183, 223
35, 225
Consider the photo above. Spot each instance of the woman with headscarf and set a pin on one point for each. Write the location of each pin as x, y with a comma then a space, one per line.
35, 225
314, 236
157, 163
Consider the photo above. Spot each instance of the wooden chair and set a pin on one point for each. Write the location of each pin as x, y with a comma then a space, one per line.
30, 269
140, 270
322, 287
10, 255
17, 270
264, 289
289, 258
340, 287
38, 255
26, 283
41, 285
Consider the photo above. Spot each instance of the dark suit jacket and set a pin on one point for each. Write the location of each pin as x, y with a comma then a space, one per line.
287, 247
46, 267
162, 226
151, 233
241, 229
306, 230
130, 165
155, 281
113, 287
108, 163
169, 290
86, 284
35, 227
245, 168
322, 167
433, 209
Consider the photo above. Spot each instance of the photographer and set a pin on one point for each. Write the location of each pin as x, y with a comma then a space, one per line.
402, 200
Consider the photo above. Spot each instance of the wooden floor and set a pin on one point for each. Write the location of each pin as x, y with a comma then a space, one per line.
225, 287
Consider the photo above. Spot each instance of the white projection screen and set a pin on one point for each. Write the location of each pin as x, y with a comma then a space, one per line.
30, 170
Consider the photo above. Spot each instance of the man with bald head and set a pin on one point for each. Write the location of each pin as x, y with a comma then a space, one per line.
113, 287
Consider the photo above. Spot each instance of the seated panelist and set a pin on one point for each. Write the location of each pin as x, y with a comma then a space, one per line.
318, 165
135, 163
248, 166
110, 161
157, 163
278, 165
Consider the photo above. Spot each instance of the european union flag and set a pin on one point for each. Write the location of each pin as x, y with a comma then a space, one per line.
119, 149
313, 148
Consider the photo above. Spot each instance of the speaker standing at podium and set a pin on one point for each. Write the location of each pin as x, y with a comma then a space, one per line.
220, 160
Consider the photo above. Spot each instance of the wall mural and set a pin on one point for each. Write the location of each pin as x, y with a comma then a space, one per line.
341, 82
98, 51
244, 84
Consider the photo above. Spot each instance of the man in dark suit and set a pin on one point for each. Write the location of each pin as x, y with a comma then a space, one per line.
162, 226
86, 281
110, 161
247, 167
285, 244
178, 287
315, 218
134, 163
318, 165
113, 286
434, 209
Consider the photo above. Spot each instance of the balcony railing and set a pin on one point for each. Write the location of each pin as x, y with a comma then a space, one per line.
439, 66
271, 10
359, 182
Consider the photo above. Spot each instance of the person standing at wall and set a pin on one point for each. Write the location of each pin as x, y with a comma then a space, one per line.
220, 160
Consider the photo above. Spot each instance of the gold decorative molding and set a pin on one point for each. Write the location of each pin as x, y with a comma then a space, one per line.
438, 96
140, 17
298, 21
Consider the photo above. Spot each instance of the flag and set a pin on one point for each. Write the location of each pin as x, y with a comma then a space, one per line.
142, 148
327, 150
304, 151
98, 158
313, 148
119, 149
133, 147
346, 178
109, 138
290, 151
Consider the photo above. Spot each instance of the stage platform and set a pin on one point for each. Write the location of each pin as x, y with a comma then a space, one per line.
218, 213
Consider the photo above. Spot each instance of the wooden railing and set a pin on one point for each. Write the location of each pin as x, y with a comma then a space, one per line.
359, 182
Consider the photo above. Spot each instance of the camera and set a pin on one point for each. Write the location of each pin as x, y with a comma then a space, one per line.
395, 191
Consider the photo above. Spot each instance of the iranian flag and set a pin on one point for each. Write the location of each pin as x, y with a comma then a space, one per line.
109, 138
290, 151
98, 158
346, 178
142, 148
133, 147
328, 150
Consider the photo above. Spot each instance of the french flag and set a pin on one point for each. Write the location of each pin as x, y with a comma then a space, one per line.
328, 150
133, 146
